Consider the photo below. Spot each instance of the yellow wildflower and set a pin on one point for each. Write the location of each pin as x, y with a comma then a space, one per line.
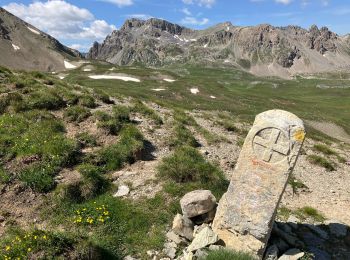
7, 248
29, 249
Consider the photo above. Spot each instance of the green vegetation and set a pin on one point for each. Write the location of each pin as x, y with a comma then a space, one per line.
328, 151
127, 150
321, 161
86, 139
20, 244
309, 213
182, 136
296, 184
187, 168
77, 114
141, 108
113, 123
224, 254
283, 213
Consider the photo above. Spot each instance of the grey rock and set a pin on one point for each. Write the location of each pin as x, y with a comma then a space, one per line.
271, 253
246, 212
204, 238
215, 247
170, 249
198, 202
292, 254
183, 226
175, 238
123, 190
200, 254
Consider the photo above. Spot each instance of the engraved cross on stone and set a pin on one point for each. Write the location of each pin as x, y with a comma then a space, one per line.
272, 145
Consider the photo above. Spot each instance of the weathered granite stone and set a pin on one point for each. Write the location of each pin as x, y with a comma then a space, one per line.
246, 212
203, 239
197, 202
183, 226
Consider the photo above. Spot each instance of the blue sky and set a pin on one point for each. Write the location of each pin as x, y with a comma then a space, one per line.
80, 22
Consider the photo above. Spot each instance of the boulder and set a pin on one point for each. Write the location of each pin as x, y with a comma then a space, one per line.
204, 238
271, 253
198, 202
183, 226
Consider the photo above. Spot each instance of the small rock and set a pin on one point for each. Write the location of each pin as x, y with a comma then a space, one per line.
198, 229
175, 238
188, 255
204, 238
183, 226
200, 254
215, 247
336, 228
123, 190
197, 202
170, 249
2, 218
292, 254
271, 253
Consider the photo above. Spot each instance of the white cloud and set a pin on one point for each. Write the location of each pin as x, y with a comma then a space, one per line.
186, 11
206, 3
120, 3
194, 21
285, 2
62, 20
139, 16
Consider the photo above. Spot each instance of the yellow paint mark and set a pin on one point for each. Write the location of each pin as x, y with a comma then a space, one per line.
299, 135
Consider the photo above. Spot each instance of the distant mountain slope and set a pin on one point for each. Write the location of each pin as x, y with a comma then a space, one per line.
262, 49
22, 46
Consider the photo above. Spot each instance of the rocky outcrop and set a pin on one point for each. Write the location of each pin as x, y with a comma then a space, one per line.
262, 49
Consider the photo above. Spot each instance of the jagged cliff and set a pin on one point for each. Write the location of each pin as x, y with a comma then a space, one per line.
262, 49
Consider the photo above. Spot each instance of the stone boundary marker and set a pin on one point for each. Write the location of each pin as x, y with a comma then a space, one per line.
246, 212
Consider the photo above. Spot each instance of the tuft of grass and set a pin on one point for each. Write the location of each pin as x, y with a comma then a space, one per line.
127, 150
182, 136
321, 161
228, 125
324, 149
86, 139
87, 101
141, 108
309, 212
77, 114
5, 177
113, 123
296, 184
283, 213
225, 254
103, 96
45, 99
186, 167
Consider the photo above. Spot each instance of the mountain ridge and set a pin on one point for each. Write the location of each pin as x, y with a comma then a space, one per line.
23, 46
263, 49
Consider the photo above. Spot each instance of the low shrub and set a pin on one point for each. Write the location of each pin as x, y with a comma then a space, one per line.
87, 101
321, 161
309, 212
103, 96
48, 99
77, 114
